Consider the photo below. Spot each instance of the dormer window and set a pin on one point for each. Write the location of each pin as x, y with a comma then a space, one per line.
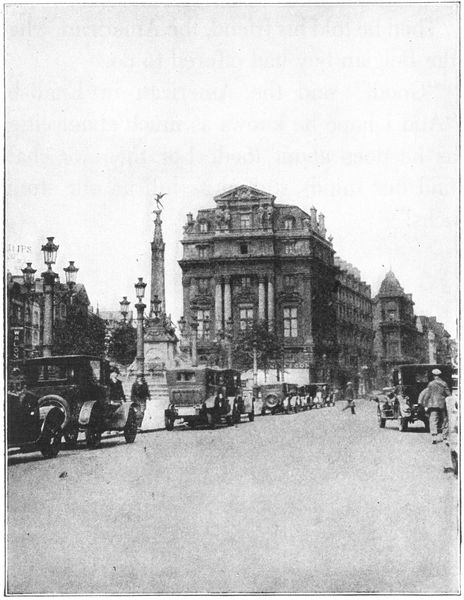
243, 248
202, 252
204, 226
289, 223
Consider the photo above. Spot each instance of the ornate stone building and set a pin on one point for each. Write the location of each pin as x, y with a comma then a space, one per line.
250, 259
355, 330
436, 343
397, 339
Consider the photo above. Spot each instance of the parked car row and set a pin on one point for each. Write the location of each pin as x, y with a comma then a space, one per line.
57, 397
62, 396
288, 397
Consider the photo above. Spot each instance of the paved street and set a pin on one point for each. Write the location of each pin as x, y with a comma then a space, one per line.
322, 501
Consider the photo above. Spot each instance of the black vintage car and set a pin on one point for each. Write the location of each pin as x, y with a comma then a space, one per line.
78, 386
30, 427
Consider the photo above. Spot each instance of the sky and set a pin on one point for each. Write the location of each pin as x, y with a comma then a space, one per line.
350, 108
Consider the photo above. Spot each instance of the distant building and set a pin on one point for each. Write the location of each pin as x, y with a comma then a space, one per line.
25, 313
113, 318
436, 343
397, 340
355, 330
249, 259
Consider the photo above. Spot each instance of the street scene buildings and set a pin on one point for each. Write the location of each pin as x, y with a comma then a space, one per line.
246, 381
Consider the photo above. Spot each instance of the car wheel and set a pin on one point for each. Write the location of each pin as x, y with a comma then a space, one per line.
71, 433
130, 430
404, 423
251, 416
50, 444
169, 423
93, 436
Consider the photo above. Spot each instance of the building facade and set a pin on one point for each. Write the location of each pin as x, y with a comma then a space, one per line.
355, 329
25, 307
397, 340
436, 343
248, 260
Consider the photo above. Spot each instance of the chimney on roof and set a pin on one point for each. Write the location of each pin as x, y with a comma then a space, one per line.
313, 212
322, 228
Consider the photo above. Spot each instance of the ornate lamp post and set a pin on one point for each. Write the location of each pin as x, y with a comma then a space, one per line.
193, 330
29, 284
140, 306
255, 364
229, 335
124, 308
194, 334
49, 249
71, 274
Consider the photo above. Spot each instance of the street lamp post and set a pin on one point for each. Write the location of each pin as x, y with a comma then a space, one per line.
140, 306
29, 296
229, 334
194, 329
255, 364
124, 308
49, 249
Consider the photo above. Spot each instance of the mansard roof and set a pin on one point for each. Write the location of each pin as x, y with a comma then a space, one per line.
390, 286
244, 193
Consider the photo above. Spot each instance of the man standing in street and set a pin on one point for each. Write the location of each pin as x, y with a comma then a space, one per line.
435, 403
139, 395
349, 397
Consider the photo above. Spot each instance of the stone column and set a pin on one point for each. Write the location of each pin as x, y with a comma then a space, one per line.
227, 300
270, 304
218, 305
261, 299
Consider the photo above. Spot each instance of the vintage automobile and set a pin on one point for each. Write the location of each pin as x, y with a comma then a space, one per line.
205, 396
387, 405
410, 381
30, 427
277, 397
245, 405
78, 385
317, 395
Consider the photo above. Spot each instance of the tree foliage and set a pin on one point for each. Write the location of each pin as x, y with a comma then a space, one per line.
122, 346
268, 348
79, 334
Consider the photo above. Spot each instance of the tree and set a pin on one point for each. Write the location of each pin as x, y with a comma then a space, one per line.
79, 334
123, 344
268, 347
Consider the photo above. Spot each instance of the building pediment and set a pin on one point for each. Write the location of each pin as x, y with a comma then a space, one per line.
244, 194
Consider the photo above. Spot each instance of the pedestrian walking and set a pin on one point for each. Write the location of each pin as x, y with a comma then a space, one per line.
349, 397
451, 436
433, 399
139, 395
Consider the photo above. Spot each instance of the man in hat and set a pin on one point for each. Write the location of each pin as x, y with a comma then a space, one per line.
139, 395
435, 403
117, 395
349, 397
